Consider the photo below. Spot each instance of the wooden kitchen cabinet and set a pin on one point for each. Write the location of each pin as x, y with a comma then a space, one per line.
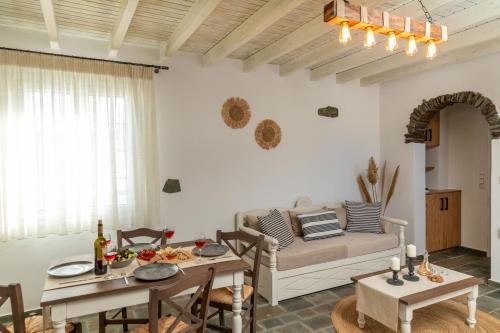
443, 219
432, 133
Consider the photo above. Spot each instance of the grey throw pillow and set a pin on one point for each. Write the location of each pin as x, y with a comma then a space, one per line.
274, 225
364, 217
320, 225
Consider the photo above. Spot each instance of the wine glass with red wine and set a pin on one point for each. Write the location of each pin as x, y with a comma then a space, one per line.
169, 232
110, 257
199, 241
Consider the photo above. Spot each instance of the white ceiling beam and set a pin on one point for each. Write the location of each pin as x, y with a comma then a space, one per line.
303, 35
467, 53
367, 3
190, 23
466, 18
453, 22
122, 24
49, 16
331, 50
254, 25
457, 41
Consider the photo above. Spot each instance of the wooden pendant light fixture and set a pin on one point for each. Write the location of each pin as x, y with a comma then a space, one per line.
350, 16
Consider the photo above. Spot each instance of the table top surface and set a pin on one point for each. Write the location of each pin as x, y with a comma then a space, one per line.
111, 287
438, 290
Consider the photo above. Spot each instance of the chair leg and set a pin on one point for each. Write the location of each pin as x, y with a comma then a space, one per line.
124, 316
253, 320
159, 310
222, 319
102, 322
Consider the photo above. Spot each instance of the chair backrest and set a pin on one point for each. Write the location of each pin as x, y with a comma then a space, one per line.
156, 235
13, 291
251, 242
203, 282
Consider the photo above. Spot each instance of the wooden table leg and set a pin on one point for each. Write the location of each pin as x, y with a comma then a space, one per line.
58, 314
361, 320
237, 321
406, 315
471, 305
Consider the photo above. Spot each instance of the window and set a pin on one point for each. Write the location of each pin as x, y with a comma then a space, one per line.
75, 146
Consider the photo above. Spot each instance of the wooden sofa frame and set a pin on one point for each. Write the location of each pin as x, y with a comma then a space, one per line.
276, 285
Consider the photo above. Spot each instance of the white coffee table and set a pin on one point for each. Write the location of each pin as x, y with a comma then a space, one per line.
430, 295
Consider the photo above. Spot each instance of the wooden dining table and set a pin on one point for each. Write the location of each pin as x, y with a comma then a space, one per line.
85, 299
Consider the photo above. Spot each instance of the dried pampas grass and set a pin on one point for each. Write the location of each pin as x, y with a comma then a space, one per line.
364, 189
373, 176
392, 188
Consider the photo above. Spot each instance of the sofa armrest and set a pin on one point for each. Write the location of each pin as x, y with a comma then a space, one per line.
394, 221
402, 224
270, 243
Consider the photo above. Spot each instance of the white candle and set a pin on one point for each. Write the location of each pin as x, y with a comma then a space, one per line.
411, 251
395, 264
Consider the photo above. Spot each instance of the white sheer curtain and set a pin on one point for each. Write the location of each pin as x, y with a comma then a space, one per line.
77, 143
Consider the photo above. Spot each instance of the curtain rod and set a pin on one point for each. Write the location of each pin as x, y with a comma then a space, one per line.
156, 67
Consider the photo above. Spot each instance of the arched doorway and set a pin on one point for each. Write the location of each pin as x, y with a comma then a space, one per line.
423, 113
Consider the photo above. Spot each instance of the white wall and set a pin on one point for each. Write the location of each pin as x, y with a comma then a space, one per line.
495, 212
461, 159
397, 100
223, 170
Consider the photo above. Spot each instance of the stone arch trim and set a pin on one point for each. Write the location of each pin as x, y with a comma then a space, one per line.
422, 114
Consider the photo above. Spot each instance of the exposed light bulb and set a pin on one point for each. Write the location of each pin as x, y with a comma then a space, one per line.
369, 38
431, 49
392, 42
345, 34
411, 47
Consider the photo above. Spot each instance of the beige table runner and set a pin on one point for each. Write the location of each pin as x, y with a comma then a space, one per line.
56, 283
380, 300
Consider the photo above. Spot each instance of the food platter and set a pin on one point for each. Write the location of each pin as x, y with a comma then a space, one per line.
70, 269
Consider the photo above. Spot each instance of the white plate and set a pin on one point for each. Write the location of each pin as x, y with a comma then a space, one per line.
70, 269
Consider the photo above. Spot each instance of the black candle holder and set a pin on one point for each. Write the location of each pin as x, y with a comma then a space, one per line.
411, 271
395, 281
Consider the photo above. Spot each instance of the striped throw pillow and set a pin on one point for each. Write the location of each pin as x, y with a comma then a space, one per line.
320, 225
274, 225
364, 217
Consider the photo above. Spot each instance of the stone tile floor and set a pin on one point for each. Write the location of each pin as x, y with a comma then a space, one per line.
311, 313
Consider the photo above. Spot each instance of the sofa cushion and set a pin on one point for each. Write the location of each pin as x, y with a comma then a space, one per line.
301, 253
364, 217
296, 225
252, 221
274, 225
352, 244
320, 225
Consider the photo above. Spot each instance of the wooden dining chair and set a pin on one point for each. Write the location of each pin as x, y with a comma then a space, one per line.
222, 298
31, 324
128, 237
184, 321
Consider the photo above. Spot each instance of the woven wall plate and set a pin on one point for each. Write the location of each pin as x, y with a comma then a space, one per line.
268, 134
236, 112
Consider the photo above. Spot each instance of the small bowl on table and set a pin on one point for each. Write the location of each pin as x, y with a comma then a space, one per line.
123, 263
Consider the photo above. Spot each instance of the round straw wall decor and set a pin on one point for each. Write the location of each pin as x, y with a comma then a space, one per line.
268, 134
236, 112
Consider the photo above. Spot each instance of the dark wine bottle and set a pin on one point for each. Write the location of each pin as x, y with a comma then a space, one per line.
99, 250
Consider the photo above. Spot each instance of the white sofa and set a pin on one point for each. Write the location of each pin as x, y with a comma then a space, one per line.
307, 267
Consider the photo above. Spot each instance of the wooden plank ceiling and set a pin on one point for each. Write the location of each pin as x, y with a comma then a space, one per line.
287, 33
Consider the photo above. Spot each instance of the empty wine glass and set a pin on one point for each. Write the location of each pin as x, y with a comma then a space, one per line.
200, 240
107, 237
